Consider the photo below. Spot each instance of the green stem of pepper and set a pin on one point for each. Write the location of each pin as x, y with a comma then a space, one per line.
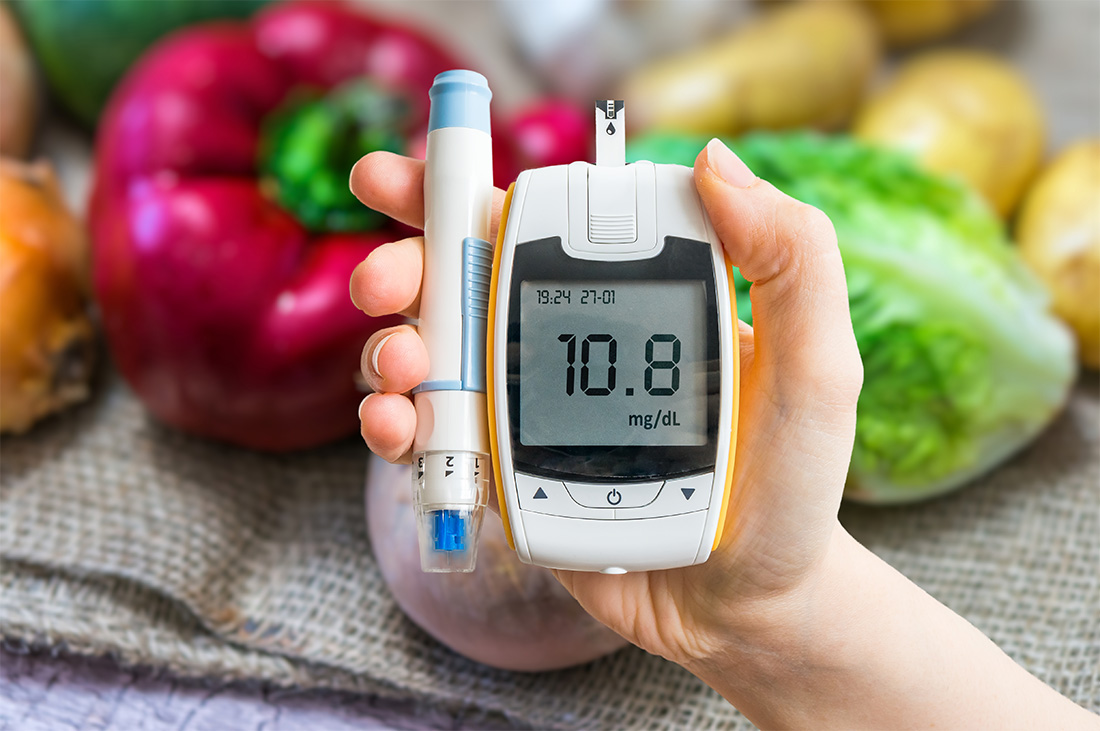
308, 147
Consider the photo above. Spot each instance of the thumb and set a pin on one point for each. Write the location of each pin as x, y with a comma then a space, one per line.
804, 345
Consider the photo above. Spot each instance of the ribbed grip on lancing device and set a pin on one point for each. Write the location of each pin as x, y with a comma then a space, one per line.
451, 445
477, 271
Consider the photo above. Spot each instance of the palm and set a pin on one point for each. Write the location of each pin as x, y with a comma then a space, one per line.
779, 519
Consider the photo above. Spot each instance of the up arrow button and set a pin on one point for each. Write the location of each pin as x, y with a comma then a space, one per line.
549, 497
688, 492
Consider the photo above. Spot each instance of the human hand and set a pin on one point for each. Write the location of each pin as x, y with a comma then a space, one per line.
790, 619
801, 376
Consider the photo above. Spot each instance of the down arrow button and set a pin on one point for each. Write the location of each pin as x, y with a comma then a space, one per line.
688, 492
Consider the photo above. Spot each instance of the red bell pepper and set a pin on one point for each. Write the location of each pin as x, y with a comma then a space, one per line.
552, 132
223, 232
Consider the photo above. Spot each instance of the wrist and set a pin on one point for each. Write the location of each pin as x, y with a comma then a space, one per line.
856, 644
778, 640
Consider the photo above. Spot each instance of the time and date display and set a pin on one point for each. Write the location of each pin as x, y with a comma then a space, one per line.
584, 296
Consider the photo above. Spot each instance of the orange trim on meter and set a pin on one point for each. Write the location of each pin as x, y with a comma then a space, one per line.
736, 410
490, 401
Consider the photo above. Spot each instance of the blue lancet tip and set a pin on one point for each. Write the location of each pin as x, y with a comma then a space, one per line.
449, 530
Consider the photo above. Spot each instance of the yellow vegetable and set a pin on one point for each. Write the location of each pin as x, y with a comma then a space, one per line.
46, 339
961, 113
1059, 236
806, 64
910, 22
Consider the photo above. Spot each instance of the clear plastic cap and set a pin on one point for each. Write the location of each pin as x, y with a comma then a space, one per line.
451, 491
448, 539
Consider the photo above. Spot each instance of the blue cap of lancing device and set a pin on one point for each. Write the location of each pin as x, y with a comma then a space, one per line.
460, 98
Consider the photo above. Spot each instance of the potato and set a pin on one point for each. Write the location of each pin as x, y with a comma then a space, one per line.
806, 64
505, 614
18, 103
907, 23
1059, 235
46, 338
965, 114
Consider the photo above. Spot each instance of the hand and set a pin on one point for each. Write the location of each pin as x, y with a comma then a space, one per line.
801, 375
790, 619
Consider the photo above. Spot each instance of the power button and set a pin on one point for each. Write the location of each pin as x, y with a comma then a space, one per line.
596, 495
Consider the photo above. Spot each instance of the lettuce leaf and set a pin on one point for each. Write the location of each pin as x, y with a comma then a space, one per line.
963, 362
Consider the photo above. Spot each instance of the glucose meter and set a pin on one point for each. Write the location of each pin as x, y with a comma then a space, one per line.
612, 364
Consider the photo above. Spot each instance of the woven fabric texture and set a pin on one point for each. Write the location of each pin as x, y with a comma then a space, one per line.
120, 536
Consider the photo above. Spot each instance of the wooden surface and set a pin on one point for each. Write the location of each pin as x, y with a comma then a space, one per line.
1053, 42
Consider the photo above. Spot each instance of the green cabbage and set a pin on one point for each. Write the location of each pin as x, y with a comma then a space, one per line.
963, 362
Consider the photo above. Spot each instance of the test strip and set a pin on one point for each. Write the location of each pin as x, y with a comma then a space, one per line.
610, 133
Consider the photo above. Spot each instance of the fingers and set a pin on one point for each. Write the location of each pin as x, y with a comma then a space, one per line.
494, 220
388, 281
802, 327
394, 185
391, 184
387, 423
745, 345
394, 360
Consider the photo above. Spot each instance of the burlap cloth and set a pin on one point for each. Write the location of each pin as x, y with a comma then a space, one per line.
119, 536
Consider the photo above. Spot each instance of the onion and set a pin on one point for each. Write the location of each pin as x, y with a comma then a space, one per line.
505, 614
47, 343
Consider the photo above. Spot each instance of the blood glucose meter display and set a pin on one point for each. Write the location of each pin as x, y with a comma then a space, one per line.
606, 363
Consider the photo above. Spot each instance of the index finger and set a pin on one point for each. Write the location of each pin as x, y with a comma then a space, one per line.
394, 185
788, 250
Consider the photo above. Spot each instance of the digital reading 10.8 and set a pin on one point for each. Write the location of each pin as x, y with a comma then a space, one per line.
607, 363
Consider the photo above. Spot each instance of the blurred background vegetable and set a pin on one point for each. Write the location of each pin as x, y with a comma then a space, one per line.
18, 105
47, 342
506, 614
963, 362
907, 23
85, 46
224, 232
1059, 234
965, 114
552, 132
802, 65
582, 47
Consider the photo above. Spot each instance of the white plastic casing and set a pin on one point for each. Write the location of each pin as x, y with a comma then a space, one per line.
460, 161
626, 216
451, 443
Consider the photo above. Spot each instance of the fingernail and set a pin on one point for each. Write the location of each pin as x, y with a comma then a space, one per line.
377, 350
727, 165
360, 410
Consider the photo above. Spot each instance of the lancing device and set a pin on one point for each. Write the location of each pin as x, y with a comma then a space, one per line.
451, 445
